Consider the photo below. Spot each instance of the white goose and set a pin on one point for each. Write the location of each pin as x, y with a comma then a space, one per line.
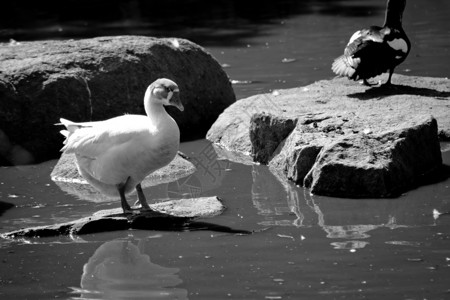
115, 155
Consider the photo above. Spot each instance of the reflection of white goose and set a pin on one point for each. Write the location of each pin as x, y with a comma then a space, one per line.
115, 155
120, 269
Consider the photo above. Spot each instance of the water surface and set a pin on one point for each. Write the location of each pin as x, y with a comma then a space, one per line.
303, 246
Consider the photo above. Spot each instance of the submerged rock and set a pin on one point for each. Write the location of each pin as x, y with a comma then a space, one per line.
65, 175
96, 79
342, 139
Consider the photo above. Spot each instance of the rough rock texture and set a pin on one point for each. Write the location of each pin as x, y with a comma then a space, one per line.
65, 175
343, 139
95, 79
266, 133
340, 158
169, 215
376, 165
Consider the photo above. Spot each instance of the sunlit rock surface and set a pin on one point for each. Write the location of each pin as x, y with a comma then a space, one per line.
343, 139
96, 79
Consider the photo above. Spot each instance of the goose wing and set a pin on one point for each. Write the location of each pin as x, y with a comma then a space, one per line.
366, 55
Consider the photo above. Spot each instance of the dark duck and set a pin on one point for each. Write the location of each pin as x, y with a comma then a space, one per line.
376, 50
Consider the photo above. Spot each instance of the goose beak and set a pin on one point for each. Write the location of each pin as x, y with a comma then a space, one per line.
176, 101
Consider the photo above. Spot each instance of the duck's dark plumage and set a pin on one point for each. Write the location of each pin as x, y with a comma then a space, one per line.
373, 51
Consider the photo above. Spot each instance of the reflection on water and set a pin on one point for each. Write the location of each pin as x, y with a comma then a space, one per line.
348, 220
121, 269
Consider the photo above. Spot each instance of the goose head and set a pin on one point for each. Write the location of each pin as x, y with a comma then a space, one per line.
165, 92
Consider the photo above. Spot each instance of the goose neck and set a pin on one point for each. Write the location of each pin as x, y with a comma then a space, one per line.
394, 13
155, 110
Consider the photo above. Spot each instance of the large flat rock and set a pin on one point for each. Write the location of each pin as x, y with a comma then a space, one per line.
340, 138
96, 79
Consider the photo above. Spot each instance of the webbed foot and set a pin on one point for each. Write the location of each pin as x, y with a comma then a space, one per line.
366, 83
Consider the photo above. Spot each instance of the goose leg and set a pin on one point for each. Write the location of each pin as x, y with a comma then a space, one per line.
123, 201
388, 82
142, 198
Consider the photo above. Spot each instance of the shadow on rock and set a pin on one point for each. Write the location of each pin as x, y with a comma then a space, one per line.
196, 226
386, 90
154, 220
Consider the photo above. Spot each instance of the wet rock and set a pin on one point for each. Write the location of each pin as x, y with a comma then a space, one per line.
343, 139
169, 215
99, 78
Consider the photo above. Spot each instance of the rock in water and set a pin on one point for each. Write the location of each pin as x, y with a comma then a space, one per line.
338, 158
377, 165
168, 215
342, 140
99, 78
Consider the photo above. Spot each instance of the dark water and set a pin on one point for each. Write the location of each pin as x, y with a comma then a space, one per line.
304, 247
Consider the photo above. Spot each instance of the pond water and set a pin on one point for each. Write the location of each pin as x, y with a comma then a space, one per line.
302, 246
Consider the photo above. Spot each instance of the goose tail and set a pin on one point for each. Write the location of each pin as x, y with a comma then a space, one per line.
71, 127
345, 66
